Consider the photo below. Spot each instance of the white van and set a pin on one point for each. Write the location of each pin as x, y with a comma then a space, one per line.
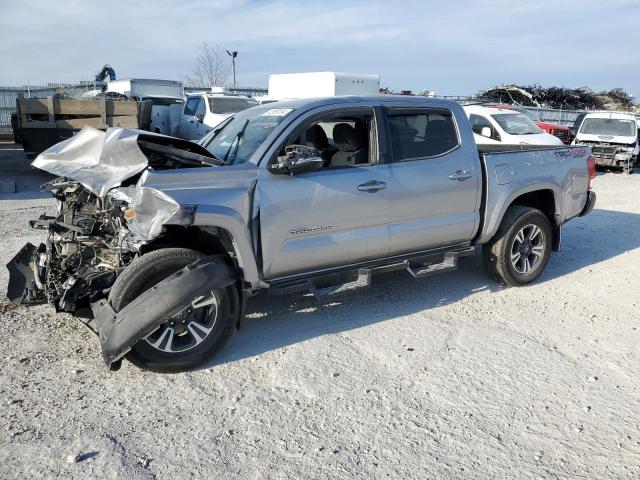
613, 138
497, 125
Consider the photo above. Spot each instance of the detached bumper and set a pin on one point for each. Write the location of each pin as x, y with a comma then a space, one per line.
119, 331
591, 202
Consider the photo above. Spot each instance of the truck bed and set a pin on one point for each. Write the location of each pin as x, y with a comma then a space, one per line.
514, 170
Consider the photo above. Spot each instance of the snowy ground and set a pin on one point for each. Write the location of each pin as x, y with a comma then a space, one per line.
444, 377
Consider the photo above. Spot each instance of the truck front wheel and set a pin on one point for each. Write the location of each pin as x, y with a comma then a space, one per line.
520, 249
190, 338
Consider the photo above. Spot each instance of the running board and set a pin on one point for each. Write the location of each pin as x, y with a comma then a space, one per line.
363, 281
449, 263
428, 266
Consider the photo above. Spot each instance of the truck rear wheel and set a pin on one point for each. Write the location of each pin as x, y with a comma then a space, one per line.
520, 249
187, 340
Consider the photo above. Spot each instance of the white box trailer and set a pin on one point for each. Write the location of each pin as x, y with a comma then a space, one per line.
146, 87
322, 84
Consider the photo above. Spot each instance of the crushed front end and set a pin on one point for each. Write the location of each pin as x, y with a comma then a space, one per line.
87, 244
609, 154
105, 218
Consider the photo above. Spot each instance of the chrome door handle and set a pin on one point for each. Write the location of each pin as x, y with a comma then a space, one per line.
372, 186
460, 175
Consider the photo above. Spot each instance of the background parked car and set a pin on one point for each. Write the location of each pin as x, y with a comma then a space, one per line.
613, 138
495, 126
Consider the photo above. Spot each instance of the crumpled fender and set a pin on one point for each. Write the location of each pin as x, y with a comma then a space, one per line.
119, 331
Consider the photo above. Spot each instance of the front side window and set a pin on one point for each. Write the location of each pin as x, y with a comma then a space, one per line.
608, 126
341, 140
422, 135
516, 124
225, 105
190, 107
478, 122
200, 110
241, 135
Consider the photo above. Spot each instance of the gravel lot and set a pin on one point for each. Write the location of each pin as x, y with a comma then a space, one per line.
444, 377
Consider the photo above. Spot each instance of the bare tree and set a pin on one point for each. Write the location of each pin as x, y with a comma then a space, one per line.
211, 68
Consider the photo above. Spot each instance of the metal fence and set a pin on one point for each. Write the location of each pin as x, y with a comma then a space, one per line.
8, 96
563, 117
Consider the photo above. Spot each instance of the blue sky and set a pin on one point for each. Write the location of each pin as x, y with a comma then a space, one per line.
452, 47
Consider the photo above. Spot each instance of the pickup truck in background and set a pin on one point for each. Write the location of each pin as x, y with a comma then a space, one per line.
493, 125
613, 138
203, 111
158, 243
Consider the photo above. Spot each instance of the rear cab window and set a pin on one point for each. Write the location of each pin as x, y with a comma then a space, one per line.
421, 133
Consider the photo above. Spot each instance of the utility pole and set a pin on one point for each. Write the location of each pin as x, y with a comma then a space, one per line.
233, 56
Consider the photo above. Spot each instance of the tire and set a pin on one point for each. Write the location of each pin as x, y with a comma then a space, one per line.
505, 256
174, 347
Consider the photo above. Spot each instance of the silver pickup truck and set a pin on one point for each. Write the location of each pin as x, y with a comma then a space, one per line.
158, 243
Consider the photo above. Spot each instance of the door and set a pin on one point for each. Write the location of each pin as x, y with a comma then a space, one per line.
331, 217
191, 126
433, 181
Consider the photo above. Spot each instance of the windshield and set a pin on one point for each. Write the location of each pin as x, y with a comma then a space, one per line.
608, 126
516, 124
222, 105
241, 135
531, 115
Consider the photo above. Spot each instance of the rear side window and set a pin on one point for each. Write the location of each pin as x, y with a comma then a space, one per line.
421, 135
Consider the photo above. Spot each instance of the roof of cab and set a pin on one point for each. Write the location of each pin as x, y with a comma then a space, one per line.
612, 115
480, 109
348, 99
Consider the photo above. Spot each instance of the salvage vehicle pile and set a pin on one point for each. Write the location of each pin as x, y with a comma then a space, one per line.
158, 242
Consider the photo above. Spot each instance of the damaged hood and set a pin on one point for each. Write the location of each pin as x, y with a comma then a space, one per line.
98, 160
101, 160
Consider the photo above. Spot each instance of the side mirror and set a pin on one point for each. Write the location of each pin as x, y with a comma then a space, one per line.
199, 117
298, 159
485, 132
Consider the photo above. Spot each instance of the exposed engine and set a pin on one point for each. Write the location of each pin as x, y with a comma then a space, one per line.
86, 246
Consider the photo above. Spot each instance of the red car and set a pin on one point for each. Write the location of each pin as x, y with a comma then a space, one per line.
555, 129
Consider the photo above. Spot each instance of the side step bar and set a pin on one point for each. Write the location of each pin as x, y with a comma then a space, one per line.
418, 268
449, 263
